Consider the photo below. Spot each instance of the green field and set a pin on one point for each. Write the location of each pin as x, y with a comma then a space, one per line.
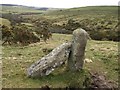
16, 60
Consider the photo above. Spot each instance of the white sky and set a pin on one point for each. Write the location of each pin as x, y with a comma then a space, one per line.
60, 3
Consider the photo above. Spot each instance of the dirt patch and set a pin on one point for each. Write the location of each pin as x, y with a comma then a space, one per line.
99, 81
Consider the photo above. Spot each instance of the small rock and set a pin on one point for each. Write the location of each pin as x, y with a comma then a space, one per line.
88, 60
9, 57
45, 87
14, 58
92, 49
19, 54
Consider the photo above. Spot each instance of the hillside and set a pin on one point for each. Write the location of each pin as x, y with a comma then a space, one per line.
101, 22
84, 12
10, 8
89, 9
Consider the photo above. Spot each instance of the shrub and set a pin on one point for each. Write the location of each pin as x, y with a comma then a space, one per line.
13, 18
42, 29
24, 35
7, 34
18, 34
72, 25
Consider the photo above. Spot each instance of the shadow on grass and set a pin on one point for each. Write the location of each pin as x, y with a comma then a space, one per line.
65, 79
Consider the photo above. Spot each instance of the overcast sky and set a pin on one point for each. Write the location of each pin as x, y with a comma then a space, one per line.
60, 3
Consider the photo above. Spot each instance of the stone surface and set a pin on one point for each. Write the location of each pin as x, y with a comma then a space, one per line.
76, 58
73, 52
47, 64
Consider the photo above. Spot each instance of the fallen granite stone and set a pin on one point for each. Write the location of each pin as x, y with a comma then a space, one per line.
47, 64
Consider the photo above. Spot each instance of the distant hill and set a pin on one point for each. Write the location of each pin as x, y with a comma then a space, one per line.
36, 8
10, 5
97, 8
84, 13
92, 9
13, 8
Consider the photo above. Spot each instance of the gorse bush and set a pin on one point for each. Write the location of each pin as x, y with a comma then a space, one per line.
7, 34
99, 29
18, 34
72, 25
13, 18
24, 35
104, 29
42, 28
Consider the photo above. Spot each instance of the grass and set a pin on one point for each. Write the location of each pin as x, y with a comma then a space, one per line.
16, 59
105, 57
5, 22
